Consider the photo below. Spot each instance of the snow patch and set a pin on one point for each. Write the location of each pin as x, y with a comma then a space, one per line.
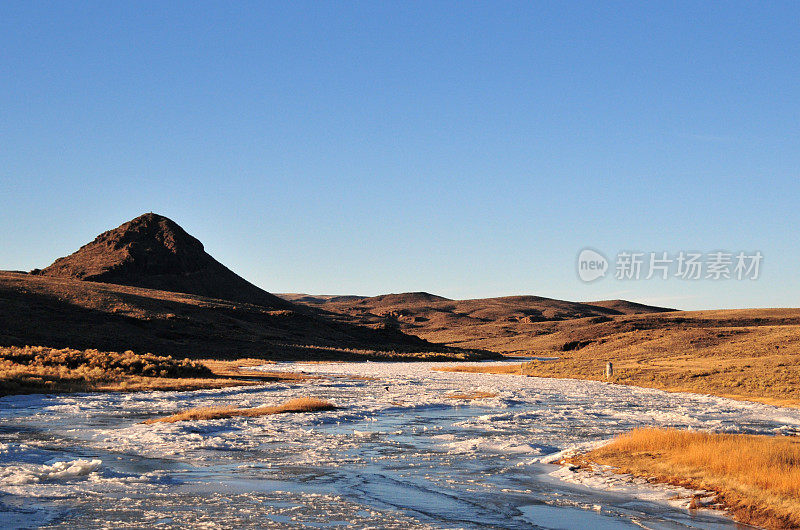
606, 478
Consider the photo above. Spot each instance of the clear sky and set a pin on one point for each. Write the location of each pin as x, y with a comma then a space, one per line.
469, 149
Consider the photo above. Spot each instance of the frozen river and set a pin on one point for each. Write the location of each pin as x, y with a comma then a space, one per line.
396, 454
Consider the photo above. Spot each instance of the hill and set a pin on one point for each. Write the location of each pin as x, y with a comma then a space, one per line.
317, 299
502, 324
625, 307
153, 252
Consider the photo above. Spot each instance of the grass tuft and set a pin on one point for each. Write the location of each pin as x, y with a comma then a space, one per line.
215, 413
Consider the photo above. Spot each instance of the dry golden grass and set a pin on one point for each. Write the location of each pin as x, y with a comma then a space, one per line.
33, 369
94, 363
163, 384
756, 477
215, 413
481, 369
40, 369
477, 394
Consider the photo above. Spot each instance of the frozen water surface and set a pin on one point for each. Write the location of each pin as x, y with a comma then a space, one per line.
396, 454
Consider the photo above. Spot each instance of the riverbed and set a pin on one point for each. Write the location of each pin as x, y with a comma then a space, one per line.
396, 453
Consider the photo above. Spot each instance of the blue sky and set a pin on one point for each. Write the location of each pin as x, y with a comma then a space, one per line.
468, 149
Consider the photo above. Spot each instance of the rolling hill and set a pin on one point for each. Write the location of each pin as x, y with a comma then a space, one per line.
500, 324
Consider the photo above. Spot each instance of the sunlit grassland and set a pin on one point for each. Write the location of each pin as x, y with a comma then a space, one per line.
756, 477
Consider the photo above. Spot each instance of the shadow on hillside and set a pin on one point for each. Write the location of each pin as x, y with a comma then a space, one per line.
206, 328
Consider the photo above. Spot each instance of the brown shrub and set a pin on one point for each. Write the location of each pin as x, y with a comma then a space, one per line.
42, 369
111, 363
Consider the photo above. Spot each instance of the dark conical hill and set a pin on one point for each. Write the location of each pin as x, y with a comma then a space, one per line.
154, 252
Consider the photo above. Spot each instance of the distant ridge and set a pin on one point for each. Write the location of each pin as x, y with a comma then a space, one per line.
153, 252
404, 298
419, 297
318, 298
508, 323
625, 307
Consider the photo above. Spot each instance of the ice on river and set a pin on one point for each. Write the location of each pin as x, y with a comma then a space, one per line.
396, 454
